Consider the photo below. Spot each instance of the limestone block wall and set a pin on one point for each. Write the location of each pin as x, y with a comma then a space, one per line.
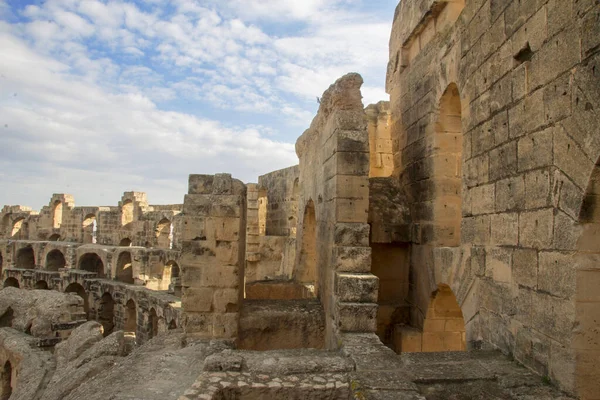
213, 254
495, 132
281, 189
333, 234
380, 139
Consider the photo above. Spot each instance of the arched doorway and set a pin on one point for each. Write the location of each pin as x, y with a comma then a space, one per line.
18, 231
57, 214
6, 381
130, 325
1, 263
11, 282
125, 242
172, 325
152, 323
41, 285
444, 325
91, 262
163, 234
125, 268
447, 157
307, 273
127, 212
55, 260
80, 291
106, 313
89, 228
54, 238
25, 258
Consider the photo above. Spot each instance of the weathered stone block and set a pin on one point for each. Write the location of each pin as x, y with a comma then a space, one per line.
357, 317
525, 267
557, 274
351, 234
505, 229
352, 259
356, 288
535, 150
200, 184
536, 229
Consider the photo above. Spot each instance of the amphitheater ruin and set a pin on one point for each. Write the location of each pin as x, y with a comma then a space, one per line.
442, 245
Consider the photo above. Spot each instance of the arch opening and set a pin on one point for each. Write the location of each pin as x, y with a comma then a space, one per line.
106, 313
80, 291
125, 268
55, 260
41, 285
447, 158
57, 214
130, 325
152, 323
172, 325
91, 262
6, 381
18, 229
127, 212
54, 238
90, 227
163, 234
1, 263
11, 282
26, 258
125, 242
307, 273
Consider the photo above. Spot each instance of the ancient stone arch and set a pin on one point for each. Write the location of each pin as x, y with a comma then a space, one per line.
163, 234
92, 262
89, 226
106, 313
80, 291
41, 285
55, 260
130, 317
57, 214
124, 272
25, 258
11, 282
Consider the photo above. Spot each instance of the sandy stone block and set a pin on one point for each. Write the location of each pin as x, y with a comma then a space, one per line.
483, 199
536, 229
356, 288
559, 15
505, 229
532, 33
587, 336
525, 267
476, 230
352, 259
557, 98
433, 341
346, 120
351, 234
477, 170
545, 66
351, 187
570, 159
227, 229
197, 204
199, 324
455, 325
537, 189
200, 184
557, 273
351, 163
226, 300
434, 325
527, 115
223, 276
482, 139
499, 126
227, 252
226, 206
357, 317
503, 161
501, 94
535, 150
567, 233
197, 299
554, 317
407, 339
225, 325
498, 264
510, 194
351, 210
520, 84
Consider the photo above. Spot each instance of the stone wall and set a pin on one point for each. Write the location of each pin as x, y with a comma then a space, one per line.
213, 254
333, 234
380, 139
494, 124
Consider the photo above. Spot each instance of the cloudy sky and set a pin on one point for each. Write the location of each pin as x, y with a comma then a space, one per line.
98, 97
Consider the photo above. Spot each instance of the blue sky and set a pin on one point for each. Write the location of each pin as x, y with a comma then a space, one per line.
98, 97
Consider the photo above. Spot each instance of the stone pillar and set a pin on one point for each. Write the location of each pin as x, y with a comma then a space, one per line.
212, 257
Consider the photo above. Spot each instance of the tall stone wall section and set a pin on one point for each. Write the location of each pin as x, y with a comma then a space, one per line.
522, 140
334, 170
213, 254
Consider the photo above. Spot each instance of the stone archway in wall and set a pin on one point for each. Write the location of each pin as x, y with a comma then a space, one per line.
125, 242
57, 214
106, 313
586, 343
25, 258
80, 291
11, 282
91, 262
152, 323
19, 229
127, 212
55, 260
41, 285
124, 271
130, 323
89, 226
163, 234
54, 238
307, 272
1, 263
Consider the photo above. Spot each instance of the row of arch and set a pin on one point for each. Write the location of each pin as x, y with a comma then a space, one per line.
90, 262
106, 314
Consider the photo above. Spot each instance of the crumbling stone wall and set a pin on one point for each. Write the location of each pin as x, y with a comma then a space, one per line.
495, 127
213, 254
380, 139
333, 234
